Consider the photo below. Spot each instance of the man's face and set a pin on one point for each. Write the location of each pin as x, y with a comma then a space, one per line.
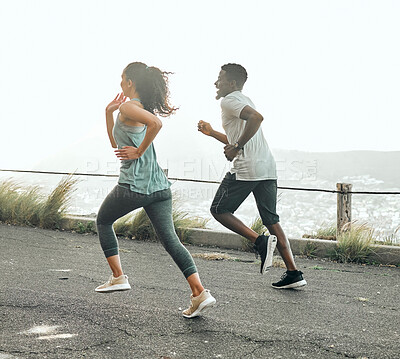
223, 85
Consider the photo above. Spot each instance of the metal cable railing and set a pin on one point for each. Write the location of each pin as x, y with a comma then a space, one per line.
204, 181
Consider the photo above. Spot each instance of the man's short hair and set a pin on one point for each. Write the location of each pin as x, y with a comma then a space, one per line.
235, 72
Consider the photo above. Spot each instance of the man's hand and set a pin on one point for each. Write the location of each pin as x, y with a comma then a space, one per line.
231, 152
128, 153
205, 127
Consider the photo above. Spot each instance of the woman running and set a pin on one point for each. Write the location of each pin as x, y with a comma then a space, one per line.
142, 183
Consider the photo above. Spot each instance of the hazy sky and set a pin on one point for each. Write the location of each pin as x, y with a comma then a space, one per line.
325, 74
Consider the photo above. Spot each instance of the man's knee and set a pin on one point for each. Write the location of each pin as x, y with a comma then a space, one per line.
215, 215
220, 216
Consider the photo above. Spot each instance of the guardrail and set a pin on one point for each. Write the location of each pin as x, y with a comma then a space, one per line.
343, 190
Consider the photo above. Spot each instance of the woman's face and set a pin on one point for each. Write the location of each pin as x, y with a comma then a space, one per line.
126, 85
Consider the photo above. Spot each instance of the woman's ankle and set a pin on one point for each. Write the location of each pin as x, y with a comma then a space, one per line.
196, 292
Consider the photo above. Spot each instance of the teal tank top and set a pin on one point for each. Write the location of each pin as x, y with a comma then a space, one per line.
143, 175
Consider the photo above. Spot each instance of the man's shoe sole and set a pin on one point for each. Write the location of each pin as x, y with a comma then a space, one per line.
270, 254
208, 303
114, 288
298, 284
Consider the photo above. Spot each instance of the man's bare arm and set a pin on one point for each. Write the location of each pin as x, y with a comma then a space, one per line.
253, 123
205, 127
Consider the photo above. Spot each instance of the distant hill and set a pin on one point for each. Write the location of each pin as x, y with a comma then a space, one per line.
193, 156
334, 166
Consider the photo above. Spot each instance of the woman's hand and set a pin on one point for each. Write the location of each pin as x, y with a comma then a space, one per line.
205, 127
128, 153
114, 104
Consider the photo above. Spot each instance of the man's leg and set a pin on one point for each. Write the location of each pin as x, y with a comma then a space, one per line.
233, 223
265, 195
292, 278
283, 245
230, 195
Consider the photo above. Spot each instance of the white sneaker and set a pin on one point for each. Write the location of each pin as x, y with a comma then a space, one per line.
114, 284
197, 304
265, 247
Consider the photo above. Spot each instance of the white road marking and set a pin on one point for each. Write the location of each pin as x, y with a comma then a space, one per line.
41, 329
57, 336
46, 329
7, 356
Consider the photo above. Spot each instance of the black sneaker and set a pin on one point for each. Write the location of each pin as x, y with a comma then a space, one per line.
265, 246
290, 280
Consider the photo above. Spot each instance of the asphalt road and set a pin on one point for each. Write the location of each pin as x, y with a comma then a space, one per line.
49, 309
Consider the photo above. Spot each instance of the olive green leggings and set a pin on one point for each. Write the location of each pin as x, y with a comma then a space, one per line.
158, 206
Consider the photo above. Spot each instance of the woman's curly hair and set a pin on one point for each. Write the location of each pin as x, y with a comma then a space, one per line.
152, 86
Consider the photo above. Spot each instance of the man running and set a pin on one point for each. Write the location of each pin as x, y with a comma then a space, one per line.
253, 170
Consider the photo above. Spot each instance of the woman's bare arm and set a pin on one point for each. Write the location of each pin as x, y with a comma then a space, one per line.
111, 107
153, 123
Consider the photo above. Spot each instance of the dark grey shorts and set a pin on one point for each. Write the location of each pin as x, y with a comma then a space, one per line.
231, 194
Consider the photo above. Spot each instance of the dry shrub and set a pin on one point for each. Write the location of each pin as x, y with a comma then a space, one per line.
354, 244
27, 206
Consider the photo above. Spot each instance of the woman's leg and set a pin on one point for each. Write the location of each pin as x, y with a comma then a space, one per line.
160, 214
119, 202
195, 284
115, 265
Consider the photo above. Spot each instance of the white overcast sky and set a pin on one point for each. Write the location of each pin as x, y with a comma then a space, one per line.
324, 74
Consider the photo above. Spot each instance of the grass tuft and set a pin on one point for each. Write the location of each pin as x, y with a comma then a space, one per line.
18, 206
355, 244
309, 250
27, 206
53, 209
326, 231
392, 239
183, 222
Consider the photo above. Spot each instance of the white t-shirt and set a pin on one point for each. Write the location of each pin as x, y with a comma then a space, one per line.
255, 162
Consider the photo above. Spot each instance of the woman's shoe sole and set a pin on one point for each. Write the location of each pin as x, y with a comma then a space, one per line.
208, 303
114, 288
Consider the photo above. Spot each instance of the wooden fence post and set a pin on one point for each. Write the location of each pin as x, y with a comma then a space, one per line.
343, 206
